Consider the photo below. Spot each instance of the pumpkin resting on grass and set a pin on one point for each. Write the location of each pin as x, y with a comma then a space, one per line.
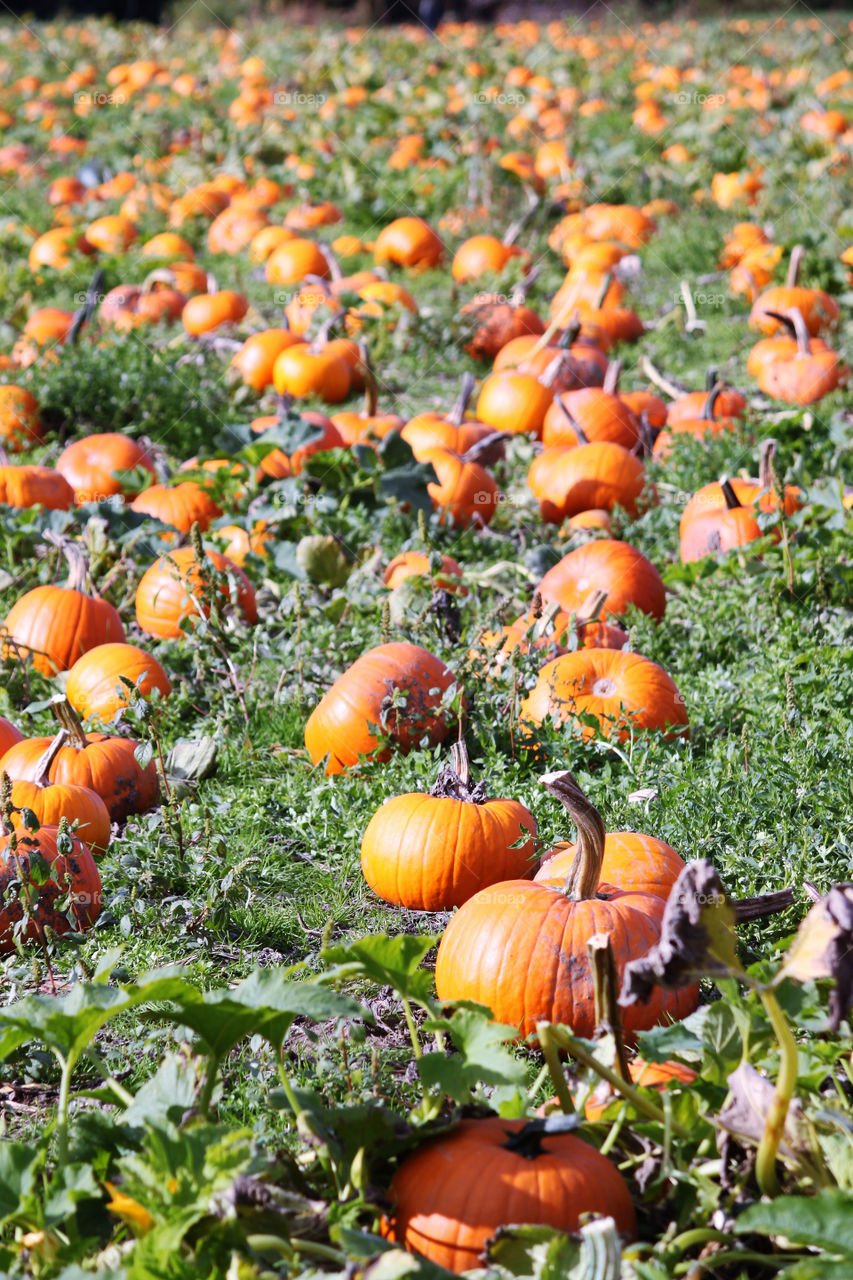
70, 897
431, 852
519, 947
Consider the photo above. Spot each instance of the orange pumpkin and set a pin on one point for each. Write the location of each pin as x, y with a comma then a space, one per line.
571, 479
519, 947
95, 685
409, 564
90, 465
176, 590
432, 852
20, 424
409, 242
34, 486
207, 311
624, 692
396, 687
53, 801
180, 505
73, 878
605, 564
55, 625
256, 358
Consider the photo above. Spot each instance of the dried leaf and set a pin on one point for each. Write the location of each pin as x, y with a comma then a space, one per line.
823, 948
745, 1115
697, 937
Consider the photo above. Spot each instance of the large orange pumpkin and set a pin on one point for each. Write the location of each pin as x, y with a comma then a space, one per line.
570, 479
103, 764
433, 851
624, 692
396, 688
408, 242
90, 465
177, 589
33, 486
180, 505
73, 879
56, 625
444, 1210
53, 801
608, 565
519, 947
94, 686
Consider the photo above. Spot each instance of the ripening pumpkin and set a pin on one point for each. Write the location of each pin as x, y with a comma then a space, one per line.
341, 726
207, 311
709, 422
609, 565
112, 233
720, 529
294, 259
409, 564
759, 494
569, 479
180, 506
804, 374
482, 255
514, 401
53, 801
35, 486
623, 692
73, 879
818, 308
56, 625
589, 416
94, 686
631, 862
497, 321
20, 423
277, 463
647, 1075
433, 851
408, 242
464, 491
101, 763
176, 590
306, 370
445, 1212
519, 947
255, 360
90, 465
10, 734
236, 543
551, 630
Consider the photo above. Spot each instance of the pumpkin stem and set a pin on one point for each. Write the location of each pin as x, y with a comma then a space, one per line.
660, 380
454, 779
585, 871
78, 570
611, 377
552, 370
606, 282
590, 610
334, 265
482, 447
794, 264
212, 283
732, 500
84, 314
583, 438
527, 1141
70, 721
325, 329
570, 334
456, 416
709, 407
796, 326
42, 770
605, 986
766, 459
371, 391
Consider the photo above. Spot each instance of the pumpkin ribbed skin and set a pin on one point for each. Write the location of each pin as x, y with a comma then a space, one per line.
600, 415
609, 565
59, 800
446, 1211
90, 465
718, 531
181, 505
519, 948
613, 686
33, 486
163, 595
568, 479
338, 727
59, 624
94, 681
431, 853
632, 862
464, 490
106, 765
76, 870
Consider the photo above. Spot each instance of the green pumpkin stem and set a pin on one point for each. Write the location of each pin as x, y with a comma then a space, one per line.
585, 873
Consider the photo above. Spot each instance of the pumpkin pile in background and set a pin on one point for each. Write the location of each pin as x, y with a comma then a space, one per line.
350, 429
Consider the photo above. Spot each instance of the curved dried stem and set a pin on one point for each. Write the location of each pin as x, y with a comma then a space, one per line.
794, 264
70, 721
456, 416
766, 457
710, 405
42, 770
78, 569
583, 438
585, 872
611, 377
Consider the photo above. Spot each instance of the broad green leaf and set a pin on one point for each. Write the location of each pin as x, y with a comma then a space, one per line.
542, 1253
392, 962
19, 1164
70, 1184
824, 1221
483, 1057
